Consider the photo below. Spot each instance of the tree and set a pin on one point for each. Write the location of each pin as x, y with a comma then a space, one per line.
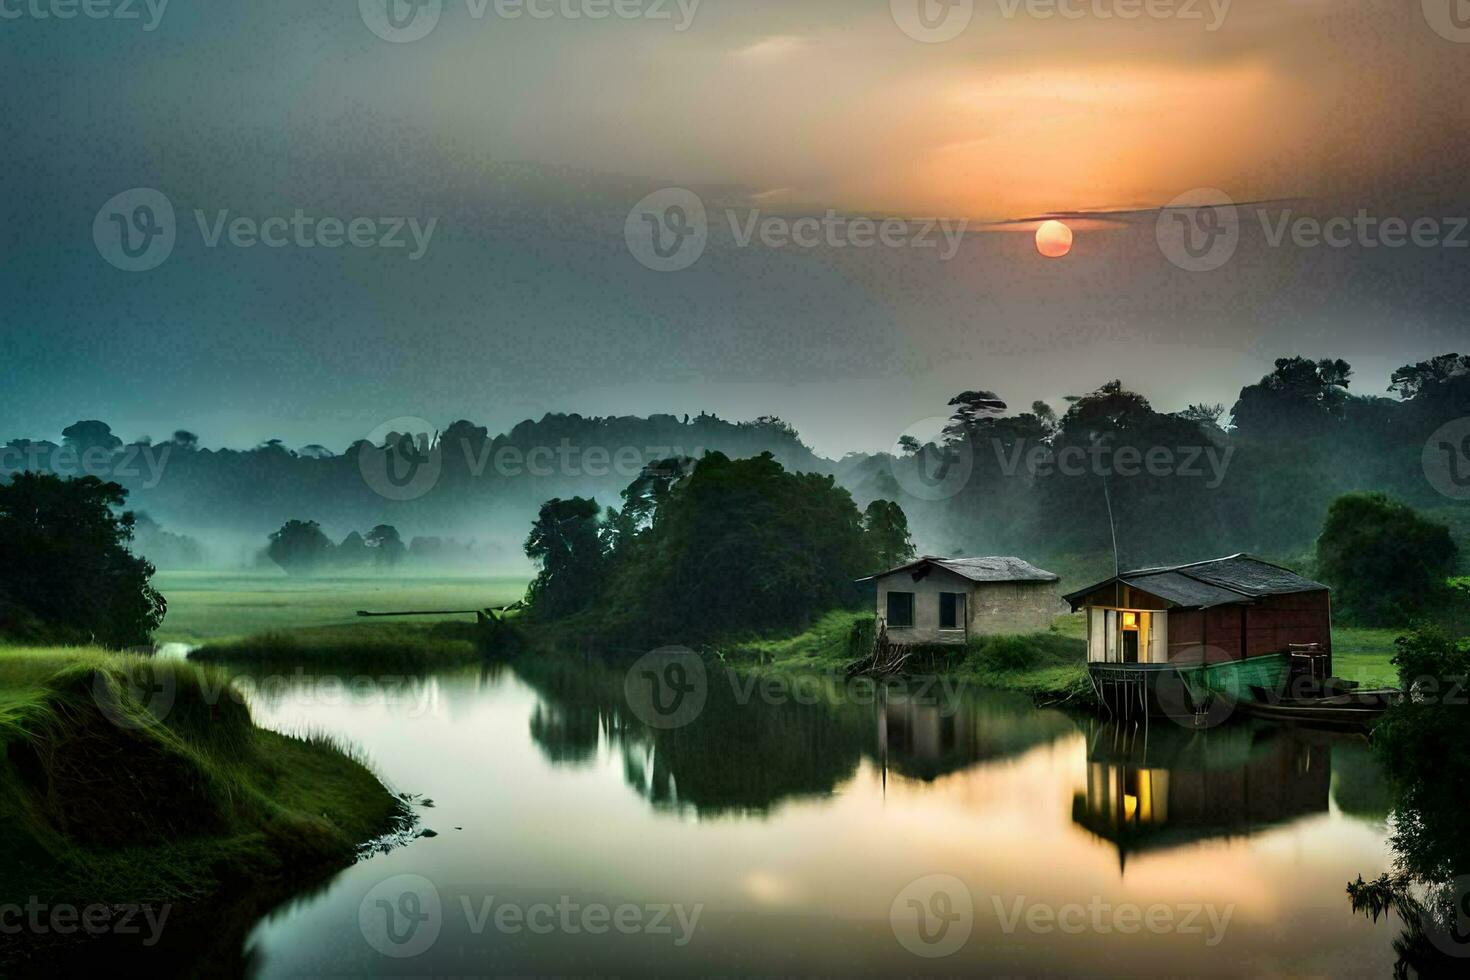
300, 547
386, 545
1412, 379
186, 440
566, 542
91, 434
970, 408
886, 529
1385, 563
352, 551
67, 575
1300, 398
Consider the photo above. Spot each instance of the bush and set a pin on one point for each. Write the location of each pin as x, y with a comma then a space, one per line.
1007, 652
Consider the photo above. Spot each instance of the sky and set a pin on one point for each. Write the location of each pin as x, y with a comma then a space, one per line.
502, 170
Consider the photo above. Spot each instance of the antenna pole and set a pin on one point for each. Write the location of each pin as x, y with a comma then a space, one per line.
1113, 529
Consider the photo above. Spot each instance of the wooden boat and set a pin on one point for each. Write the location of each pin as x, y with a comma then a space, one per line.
1353, 709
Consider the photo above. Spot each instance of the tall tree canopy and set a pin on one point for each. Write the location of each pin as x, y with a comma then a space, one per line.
1385, 563
735, 546
566, 542
67, 575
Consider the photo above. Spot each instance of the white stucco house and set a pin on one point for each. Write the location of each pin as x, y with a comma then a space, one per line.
947, 600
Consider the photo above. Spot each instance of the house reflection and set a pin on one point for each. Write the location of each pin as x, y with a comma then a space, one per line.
928, 739
1162, 787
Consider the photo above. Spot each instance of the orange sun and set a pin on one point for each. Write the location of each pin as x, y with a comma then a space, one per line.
1053, 239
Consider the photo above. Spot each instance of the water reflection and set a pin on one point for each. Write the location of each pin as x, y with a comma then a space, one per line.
796, 815
756, 745
1162, 786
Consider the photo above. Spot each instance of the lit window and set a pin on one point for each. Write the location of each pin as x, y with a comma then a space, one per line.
1130, 621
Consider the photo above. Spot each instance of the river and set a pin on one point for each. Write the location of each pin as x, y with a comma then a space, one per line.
788, 830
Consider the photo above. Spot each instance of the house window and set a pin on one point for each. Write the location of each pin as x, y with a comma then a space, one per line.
951, 610
900, 609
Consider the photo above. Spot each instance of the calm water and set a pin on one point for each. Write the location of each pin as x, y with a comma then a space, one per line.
842, 835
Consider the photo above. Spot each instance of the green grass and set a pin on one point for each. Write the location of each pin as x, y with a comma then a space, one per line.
205, 606
1363, 655
111, 793
378, 645
1047, 666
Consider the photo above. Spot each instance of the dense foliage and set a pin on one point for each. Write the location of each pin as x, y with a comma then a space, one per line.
727, 546
1421, 741
300, 548
1258, 475
1386, 564
68, 575
303, 548
567, 544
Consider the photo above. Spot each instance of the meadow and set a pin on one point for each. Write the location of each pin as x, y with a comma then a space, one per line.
216, 606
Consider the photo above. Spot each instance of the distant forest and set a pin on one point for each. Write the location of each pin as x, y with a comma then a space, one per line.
1257, 476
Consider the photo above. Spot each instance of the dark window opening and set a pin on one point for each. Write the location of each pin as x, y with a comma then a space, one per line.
900, 609
951, 610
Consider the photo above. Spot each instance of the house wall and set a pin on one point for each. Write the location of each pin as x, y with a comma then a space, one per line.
1279, 620
1008, 608
1250, 630
993, 608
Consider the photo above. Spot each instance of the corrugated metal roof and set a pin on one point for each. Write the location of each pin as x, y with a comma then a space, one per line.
1181, 590
995, 569
1221, 581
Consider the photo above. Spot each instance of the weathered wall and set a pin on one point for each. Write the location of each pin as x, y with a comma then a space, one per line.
1005, 608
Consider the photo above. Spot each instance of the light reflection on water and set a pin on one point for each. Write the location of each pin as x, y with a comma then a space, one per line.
794, 827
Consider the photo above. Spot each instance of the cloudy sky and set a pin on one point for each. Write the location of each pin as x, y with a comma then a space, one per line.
498, 169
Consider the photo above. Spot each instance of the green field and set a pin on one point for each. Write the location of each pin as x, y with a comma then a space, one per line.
206, 606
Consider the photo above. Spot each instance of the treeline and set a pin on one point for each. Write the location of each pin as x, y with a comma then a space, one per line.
1258, 477
709, 549
303, 548
474, 483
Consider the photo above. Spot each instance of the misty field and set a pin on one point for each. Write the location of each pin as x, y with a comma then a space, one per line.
222, 605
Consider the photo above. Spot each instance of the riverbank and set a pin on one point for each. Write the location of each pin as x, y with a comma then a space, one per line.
378, 646
127, 780
1048, 667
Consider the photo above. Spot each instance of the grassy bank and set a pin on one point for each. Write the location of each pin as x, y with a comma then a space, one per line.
383, 646
1046, 666
125, 779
